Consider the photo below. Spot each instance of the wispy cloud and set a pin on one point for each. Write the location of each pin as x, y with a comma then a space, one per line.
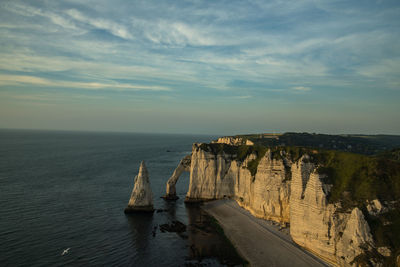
193, 42
104, 24
242, 97
174, 33
32, 80
53, 97
381, 68
301, 88
29, 11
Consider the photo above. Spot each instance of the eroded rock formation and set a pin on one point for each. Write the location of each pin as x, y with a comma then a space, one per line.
208, 175
286, 191
142, 197
215, 176
336, 236
183, 166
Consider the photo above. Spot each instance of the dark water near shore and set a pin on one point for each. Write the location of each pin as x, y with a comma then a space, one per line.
63, 190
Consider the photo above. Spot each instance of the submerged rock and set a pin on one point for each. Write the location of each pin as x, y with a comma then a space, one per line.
142, 197
175, 226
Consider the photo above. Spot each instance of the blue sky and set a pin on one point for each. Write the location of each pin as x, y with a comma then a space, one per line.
209, 67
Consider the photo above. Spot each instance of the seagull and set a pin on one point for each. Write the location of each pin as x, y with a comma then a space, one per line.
65, 251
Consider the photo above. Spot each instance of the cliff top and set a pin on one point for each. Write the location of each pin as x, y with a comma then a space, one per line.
355, 143
362, 177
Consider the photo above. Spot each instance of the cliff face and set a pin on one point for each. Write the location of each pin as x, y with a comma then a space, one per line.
286, 192
338, 237
266, 194
311, 216
208, 175
215, 176
230, 140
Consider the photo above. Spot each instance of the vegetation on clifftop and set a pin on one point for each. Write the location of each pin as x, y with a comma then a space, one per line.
239, 153
362, 144
259, 151
385, 229
217, 148
356, 178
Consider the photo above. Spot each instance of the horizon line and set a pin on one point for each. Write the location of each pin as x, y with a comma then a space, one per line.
185, 133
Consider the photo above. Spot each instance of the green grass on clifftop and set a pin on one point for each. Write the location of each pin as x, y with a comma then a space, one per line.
259, 151
357, 178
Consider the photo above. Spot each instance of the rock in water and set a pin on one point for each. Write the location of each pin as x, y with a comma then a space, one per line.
142, 197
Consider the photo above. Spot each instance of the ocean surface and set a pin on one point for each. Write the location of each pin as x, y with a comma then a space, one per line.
62, 190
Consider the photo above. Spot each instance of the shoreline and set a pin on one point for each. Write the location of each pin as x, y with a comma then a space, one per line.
258, 241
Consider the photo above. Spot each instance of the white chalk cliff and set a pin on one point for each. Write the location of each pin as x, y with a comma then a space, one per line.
142, 197
286, 192
231, 140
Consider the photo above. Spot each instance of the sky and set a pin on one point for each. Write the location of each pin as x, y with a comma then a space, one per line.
201, 67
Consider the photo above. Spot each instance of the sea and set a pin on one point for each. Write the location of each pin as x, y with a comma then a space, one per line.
63, 194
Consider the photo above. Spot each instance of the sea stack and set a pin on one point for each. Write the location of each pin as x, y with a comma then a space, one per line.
142, 197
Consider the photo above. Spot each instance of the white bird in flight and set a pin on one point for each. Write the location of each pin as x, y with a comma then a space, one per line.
65, 251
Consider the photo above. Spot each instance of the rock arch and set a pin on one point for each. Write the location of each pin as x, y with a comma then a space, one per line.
183, 166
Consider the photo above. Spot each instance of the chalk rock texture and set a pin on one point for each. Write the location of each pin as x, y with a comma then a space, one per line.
311, 222
338, 237
375, 207
142, 197
183, 166
217, 176
233, 141
266, 195
286, 192
208, 175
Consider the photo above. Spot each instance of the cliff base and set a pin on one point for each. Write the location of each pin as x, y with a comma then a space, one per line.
170, 197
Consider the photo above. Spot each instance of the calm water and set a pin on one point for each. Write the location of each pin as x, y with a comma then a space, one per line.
63, 190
